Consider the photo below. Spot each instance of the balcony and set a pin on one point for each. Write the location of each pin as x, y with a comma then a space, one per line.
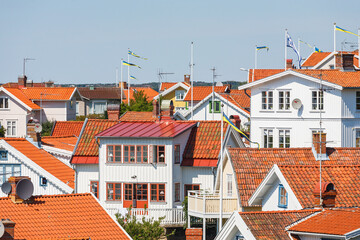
204, 204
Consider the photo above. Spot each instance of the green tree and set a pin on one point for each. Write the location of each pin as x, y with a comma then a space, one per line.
146, 229
2, 131
46, 128
140, 103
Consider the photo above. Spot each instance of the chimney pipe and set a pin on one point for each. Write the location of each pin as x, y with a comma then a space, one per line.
187, 79
113, 111
328, 195
155, 109
9, 230
22, 81
289, 64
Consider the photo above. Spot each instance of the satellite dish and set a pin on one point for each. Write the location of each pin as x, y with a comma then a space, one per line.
24, 189
6, 188
296, 103
2, 229
38, 128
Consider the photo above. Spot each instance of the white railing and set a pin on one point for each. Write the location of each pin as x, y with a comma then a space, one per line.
205, 202
173, 216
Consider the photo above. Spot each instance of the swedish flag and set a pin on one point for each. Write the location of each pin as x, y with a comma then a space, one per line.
345, 31
262, 47
135, 55
130, 64
132, 77
317, 49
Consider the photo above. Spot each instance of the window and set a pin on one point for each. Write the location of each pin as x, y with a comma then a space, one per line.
284, 100
113, 191
179, 94
3, 155
268, 138
357, 138
284, 138
357, 100
157, 192
141, 154
129, 154
317, 100
136, 154
217, 106
8, 170
94, 188
4, 103
282, 197
229, 184
190, 187
128, 194
141, 192
43, 181
99, 107
177, 192
114, 153
177, 153
267, 100
160, 154
11, 128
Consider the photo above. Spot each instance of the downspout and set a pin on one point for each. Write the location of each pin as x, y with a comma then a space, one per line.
247, 93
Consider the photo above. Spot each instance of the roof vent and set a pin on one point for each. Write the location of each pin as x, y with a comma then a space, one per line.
328, 195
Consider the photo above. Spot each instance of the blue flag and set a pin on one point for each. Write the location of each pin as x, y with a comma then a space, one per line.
290, 44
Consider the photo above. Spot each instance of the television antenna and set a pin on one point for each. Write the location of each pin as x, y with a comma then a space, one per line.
25, 60
214, 75
161, 74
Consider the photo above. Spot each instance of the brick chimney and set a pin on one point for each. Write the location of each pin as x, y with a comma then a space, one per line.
235, 119
29, 83
166, 110
9, 230
22, 81
123, 85
49, 84
13, 195
344, 61
187, 79
193, 234
317, 143
289, 63
113, 111
328, 195
156, 109
31, 133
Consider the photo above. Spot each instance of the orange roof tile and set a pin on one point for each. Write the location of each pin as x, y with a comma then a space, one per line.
23, 98
203, 146
239, 99
49, 93
331, 221
137, 116
149, 92
87, 146
262, 73
302, 180
16, 85
67, 128
315, 58
44, 159
167, 85
201, 92
271, 224
66, 142
251, 165
67, 216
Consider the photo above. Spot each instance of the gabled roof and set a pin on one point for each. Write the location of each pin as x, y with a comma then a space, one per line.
183, 85
252, 165
149, 92
201, 92
49, 93
315, 58
166, 85
169, 129
67, 216
343, 222
44, 159
138, 116
67, 128
101, 93
203, 146
87, 151
239, 99
271, 224
65, 142
18, 95
262, 73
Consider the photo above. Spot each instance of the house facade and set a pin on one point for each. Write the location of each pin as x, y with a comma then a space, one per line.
176, 93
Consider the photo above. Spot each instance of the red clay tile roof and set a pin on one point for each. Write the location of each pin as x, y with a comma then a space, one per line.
49, 93
202, 92
66, 142
149, 92
203, 146
239, 99
302, 180
262, 73
87, 146
251, 165
16, 85
167, 85
169, 129
67, 128
271, 224
137, 116
315, 58
101, 93
23, 98
331, 221
67, 216
44, 159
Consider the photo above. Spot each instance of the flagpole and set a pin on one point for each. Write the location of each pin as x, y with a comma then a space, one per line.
334, 37
359, 47
117, 77
128, 78
299, 46
192, 79
255, 63
221, 167
285, 48
121, 77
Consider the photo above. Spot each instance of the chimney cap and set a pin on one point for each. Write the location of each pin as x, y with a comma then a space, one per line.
325, 187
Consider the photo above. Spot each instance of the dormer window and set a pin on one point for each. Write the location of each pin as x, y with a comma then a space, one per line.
267, 100
283, 197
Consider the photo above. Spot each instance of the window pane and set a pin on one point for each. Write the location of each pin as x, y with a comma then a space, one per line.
110, 153
126, 154
161, 192
145, 154
1, 103
117, 191
132, 154
110, 191
6, 103
153, 192
117, 153
138, 154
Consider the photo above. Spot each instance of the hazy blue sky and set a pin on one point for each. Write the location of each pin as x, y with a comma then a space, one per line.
82, 41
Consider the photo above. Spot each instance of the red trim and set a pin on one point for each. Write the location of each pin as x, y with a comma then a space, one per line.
177, 153
115, 186
199, 162
157, 192
96, 194
85, 160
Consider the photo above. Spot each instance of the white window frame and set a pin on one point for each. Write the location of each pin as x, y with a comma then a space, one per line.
229, 185
267, 102
180, 94
265, 134
318, 104
283, 134
12, 126
284, 100
93, 106
4, 101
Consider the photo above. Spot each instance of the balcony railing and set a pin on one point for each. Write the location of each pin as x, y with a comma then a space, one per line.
207, 204
173, 216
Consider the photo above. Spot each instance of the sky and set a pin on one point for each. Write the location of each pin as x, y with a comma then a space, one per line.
83, 41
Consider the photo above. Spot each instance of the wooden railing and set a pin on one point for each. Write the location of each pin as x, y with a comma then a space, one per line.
209, 203
173, 216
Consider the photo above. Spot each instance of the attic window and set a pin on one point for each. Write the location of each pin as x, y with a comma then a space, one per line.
43, 181
283, 197
3, 155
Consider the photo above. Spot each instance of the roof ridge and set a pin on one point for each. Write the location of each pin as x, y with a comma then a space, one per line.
54, 195
317, 166
281, 211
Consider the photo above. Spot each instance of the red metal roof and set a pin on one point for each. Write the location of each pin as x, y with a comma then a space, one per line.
85, 160
147, 129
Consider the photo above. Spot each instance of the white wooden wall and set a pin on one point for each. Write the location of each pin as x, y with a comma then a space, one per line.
85, 174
